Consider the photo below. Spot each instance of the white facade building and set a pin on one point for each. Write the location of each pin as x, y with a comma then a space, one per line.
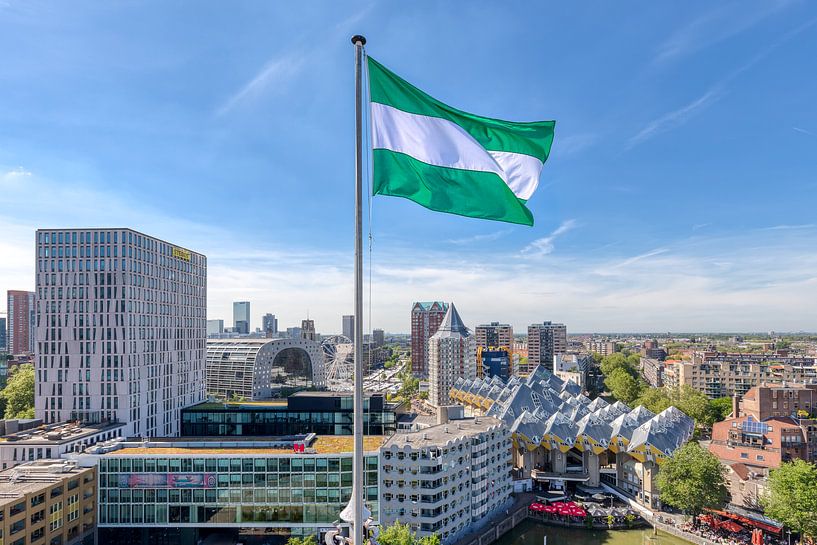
451, 355
446, 478
121, 328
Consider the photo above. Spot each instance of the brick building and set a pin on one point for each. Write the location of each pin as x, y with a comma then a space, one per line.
425, 319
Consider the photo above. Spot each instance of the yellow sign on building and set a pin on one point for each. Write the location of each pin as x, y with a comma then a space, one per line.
181, 253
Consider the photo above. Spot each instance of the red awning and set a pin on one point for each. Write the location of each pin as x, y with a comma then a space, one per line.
731, 526
747, 521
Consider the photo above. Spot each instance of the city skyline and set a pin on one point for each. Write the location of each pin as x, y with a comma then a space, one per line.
653, 212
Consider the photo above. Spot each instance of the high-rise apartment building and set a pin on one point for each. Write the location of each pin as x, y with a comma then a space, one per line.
425, 318
3, 331
20, 309
215, 327
308, 330
349, 326
269, 324
602, 348
544, 340
378, 337
494, 335
451, 355
241, 317
120, 333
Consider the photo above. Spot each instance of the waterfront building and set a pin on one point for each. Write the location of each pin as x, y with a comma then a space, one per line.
120, 329
425, 319
719, 374
178, 491
241, 317
215, 327
257, 369
27, 440
49, 502
446, 478
451, 355
544, 341
560, 435
494, 335
348, 327
324, 413
20, 308
269, 324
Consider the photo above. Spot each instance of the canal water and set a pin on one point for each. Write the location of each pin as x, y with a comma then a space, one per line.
533, 533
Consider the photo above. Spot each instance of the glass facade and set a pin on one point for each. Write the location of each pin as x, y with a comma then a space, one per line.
306, 491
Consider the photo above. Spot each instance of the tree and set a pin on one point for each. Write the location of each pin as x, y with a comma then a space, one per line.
655, 399
721, 408
612, 362
396, 534
623, 385
433, 539
792, 497
692, 480
19, 393
696, 405
308, 540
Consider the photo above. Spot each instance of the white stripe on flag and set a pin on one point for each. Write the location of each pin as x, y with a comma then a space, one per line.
442, 143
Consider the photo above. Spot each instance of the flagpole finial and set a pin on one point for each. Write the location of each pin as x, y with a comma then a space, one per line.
357, 38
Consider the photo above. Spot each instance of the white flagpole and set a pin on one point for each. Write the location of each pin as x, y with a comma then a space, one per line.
357, 486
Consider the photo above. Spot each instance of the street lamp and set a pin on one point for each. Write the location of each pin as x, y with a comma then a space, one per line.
789, 533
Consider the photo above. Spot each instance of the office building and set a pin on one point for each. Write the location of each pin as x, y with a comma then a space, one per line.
494, 363
348, 327
378, 337
308, 330
425, 318
294, 332
494, 335
120, 329
269, 324
3, 335
451, 355
447, 478
48, 502
544, 341
324, 413
20, 333
241, 317
215, 327
179, 491
257, 369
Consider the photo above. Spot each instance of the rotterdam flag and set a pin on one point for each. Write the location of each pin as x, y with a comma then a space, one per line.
449, 160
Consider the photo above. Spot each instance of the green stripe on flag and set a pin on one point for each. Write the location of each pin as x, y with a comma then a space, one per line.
455, 191
533, 138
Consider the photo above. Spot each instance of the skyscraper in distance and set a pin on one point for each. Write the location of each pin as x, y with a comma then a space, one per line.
349, 326
241, 317
269, 324
20, 333
308, 329
378, 337
3, 333
121, 328
494, 335
425, 318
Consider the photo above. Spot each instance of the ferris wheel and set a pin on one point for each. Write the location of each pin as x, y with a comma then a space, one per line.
338, 354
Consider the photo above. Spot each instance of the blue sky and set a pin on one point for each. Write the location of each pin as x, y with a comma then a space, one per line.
681, 191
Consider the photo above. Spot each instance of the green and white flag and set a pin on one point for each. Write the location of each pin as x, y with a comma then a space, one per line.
452, 161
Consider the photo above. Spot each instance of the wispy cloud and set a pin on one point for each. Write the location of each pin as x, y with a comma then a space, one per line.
700, 226
277, 74
640, 257
544, 246
803, 131
723, 22
675, 118
788, 227
488, 237
15, 174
